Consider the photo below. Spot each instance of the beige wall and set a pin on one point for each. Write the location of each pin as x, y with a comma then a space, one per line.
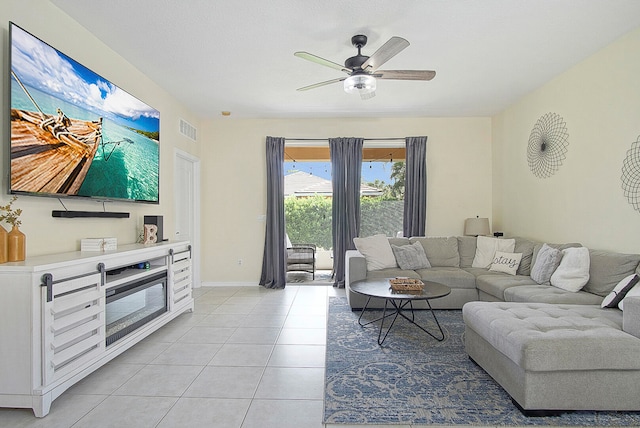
45, 234
233, 161
599, 100
476, 166
233, 180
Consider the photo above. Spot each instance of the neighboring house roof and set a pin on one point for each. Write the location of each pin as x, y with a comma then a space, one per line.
300, 184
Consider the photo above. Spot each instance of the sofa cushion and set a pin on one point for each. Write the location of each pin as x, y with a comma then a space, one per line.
634, 292
524, 246
496, 284
631, 317
546, 262
506, 262
608, 269
449, 276
486, 249
620, 291
399, 241
440, 251
573, 272
410, 256
543, 337
392, 273
549, 294
479, 271
377, 251
467, 250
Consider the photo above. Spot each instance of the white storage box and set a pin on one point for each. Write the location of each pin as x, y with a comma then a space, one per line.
98, 244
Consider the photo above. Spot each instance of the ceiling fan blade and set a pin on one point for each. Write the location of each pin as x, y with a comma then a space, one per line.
317, 85
405, 74
391, 48
322, 61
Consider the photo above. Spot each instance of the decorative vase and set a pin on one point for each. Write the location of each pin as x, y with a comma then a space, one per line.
17, 245
4, 245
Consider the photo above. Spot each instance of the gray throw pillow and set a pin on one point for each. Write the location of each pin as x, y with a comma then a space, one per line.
556, 246
546, 263
411, 256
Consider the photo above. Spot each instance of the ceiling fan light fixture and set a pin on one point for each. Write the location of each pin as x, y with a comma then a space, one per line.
360, 84
363, 70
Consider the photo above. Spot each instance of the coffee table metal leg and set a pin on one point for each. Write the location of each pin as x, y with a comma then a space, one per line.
369, 322
362, 313
396, 313
399, 307
412, 320
437, 323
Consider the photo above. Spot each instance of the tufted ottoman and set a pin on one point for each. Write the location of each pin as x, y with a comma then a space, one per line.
552, 357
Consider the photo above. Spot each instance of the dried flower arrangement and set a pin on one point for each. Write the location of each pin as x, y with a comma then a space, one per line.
9, 215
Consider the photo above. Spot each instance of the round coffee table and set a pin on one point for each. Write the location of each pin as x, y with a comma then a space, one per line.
398, 301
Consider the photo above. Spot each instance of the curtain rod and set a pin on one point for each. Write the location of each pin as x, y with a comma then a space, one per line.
365, 139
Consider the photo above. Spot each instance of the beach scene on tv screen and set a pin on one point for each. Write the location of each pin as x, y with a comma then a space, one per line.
74, 132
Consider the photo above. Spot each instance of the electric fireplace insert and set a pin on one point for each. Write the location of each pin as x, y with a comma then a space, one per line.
131, 305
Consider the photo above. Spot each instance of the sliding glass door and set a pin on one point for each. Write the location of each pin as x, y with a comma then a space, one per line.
308, 194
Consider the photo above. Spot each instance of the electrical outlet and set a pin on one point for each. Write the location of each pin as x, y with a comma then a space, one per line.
239, 262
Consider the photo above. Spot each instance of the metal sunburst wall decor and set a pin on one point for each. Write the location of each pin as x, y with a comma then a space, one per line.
631, 175
547, 145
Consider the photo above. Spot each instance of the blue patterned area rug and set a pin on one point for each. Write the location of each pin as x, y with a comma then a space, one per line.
414, 379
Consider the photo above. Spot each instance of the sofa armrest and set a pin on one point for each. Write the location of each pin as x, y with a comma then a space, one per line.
631, 316
355, 267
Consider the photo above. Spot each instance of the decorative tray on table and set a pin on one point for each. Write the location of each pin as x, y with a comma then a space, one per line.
406, 284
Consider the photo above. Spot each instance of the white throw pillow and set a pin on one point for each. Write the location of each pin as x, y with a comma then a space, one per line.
573, 272
486, 248
506, 262
377, 251
635, 291
620, 291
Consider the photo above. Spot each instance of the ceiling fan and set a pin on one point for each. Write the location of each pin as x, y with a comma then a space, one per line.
363, 70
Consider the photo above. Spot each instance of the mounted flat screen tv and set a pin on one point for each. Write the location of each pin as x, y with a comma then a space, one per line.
74, 133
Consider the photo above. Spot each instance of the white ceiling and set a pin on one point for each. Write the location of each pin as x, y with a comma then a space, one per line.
237, 55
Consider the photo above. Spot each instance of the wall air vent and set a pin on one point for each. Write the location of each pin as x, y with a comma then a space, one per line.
188, 130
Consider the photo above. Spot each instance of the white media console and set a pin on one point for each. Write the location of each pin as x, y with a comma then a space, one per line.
63, 316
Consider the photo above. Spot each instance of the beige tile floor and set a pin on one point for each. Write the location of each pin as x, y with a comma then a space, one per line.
246, 357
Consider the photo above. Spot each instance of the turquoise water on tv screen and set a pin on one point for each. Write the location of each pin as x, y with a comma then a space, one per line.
126, 167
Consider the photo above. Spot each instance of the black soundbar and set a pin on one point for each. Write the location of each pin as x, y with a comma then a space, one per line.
100, 214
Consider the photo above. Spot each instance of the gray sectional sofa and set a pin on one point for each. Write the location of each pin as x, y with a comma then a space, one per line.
551, 349
451, 259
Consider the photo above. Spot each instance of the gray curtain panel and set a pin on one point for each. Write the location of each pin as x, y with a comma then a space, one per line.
346, 167
415, 189
274, 260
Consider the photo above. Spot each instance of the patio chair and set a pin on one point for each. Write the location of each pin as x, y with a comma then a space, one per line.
301, 258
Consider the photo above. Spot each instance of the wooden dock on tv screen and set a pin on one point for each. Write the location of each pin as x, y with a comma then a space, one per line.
51, 154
